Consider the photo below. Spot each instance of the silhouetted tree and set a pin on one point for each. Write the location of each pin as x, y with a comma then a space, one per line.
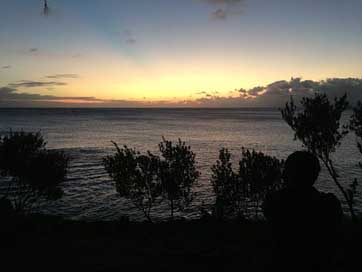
177, 173
136, 177
356, 127
317, 126
258, 175
261, 174
356, 124
32, 172
229, 193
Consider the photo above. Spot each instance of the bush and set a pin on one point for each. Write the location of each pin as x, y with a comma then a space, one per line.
317, 126
32, 173
149, 179
135, 176
177, 174
356, 124
236, 193
229, 193
356, 127
261, 175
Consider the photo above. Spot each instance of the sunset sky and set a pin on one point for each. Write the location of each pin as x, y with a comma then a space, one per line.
172, 50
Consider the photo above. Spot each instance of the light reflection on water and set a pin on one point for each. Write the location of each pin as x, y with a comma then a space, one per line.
86, 134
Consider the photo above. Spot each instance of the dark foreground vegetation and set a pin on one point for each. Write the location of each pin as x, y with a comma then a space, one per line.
53, 244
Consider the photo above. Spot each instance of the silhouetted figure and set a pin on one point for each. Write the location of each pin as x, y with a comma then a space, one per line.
304, 220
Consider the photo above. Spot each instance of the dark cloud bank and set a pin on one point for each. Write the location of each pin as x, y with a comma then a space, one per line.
273, 95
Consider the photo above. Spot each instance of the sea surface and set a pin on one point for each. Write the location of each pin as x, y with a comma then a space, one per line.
86, 135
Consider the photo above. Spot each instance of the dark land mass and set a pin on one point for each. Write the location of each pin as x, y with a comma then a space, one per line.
53, 244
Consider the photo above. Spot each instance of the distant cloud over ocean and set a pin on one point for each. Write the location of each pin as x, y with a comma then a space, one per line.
272, 95
34, 84
68, 76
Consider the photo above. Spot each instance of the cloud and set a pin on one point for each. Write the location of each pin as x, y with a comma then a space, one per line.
273, 95
12, 94
223, 1
219, 14
131, 41
202, 93
59, 76
128, 37
276, 94
46, 9
34, 84
76, 56
255, 91
225, 8
6, 67
11, 97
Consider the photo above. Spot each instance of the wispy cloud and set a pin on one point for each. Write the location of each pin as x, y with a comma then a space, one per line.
60, 76
128, 37
34, 84
46, 9
226, 8
11, 97
219, 14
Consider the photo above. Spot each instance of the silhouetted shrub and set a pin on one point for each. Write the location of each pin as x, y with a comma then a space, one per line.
237, 193
177, 174
356, 127
32, 173
356, 124
136, 177
261, 174
317, 126
229, 193
149, 179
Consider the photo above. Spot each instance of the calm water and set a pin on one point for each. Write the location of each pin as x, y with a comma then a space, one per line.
86, 134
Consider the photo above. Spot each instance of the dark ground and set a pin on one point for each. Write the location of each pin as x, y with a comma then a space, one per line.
53, 244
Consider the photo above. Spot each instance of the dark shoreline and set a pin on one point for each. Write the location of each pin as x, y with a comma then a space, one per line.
46, 242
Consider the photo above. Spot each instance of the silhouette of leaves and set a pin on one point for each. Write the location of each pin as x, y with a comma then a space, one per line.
33, 173
317, 125
236, 193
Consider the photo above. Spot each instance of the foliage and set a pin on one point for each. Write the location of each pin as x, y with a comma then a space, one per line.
135, 176
317, 126
229, 193
356, 127
258, 175
148, 179
261, 174
32, 172
177, 173
356, 124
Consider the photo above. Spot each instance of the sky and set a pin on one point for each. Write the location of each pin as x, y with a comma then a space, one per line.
172, 52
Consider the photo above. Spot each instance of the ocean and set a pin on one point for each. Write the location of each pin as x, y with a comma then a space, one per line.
86, 135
